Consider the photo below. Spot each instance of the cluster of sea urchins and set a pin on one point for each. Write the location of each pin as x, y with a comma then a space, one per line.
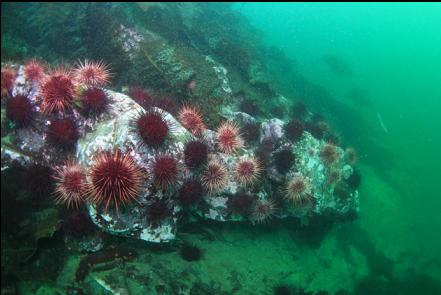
62, 93
115, 179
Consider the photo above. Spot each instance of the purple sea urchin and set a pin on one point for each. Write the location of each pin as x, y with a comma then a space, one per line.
241, 204
20, 110
195, 154
191, 192
284, 160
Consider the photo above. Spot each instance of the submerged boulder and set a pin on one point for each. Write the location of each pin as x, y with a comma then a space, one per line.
260, 192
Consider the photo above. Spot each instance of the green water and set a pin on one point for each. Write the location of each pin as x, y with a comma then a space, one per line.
394, 52
371, 70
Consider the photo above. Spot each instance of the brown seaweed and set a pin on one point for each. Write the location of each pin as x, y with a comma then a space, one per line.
110, 256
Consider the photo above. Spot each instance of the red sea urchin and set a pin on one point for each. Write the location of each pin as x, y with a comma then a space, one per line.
152, 128
297, 190
57, 92
34, 71
20, 110
263, 211
247, 171
228, 137
195, 154
70, 187
329, 154
115, 179
215, 176
8, 76
94, 101
63, 133
191, 119
94, 74
165, 171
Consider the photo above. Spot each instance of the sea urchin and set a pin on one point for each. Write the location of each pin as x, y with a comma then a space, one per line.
241, 204
195, 154
157, 211
63, 133
297, 190
34, 71
263, 211
8, 76
94, 101
228, 137
294, 130
247, 171
283, 160
165, 171
19, 110
70, 187
141, 96
152, 128
215, 176
115, 179
329, 154
191, 119
94, 74
191, 192
57, 92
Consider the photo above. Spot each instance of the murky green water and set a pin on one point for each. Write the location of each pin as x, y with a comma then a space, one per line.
371, 71
393, 53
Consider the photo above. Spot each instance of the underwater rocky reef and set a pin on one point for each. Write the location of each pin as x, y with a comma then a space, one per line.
181, 126
138, 170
